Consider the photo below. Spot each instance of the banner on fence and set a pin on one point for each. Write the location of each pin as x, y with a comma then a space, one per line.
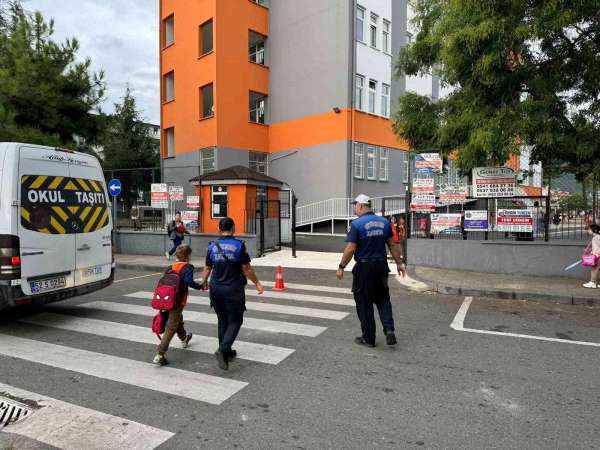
428, 163
453, 194
159, 196
492, 182
422, 203
476, 221
446, 223
423, 185
190, 218
176, 193
515, 220
193, 202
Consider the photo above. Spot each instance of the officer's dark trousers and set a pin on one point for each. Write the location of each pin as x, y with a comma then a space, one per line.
229, 303
370, 287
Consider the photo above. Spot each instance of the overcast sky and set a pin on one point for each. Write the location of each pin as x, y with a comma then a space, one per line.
121, 37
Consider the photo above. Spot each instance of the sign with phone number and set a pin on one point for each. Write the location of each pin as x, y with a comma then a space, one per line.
515, 220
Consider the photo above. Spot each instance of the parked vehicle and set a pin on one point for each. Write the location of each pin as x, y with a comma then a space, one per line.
55, 225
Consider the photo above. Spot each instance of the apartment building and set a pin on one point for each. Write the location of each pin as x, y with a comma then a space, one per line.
300, 90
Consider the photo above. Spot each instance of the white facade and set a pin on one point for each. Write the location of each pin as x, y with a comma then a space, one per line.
374, 62
422, 85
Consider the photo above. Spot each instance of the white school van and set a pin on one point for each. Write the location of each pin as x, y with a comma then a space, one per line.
55, 225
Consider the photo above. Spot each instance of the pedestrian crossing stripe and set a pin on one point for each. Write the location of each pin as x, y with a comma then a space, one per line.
63, 205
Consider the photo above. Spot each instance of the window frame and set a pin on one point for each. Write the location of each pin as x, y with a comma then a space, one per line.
359, 100
372, 95
406, 167
385, 99
201, 52
208, 154
165, 97
363, 10
255, 163
257, 109
386, 37
164, 42
358, 157
373, 30
384, 169
214, 194
201, 94
371, 158
170, 132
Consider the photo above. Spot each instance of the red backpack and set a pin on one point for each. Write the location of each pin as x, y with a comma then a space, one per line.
168, 295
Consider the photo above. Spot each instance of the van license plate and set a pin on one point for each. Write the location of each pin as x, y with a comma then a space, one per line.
51, 284
92, 272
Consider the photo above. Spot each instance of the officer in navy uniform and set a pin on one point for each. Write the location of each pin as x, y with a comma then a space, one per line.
228, 266
366, 240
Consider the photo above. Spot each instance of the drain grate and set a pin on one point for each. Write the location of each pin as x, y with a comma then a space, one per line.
12, 412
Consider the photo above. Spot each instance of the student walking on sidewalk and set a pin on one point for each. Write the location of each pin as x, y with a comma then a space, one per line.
594, 249
228, 266
176, 231
175, 322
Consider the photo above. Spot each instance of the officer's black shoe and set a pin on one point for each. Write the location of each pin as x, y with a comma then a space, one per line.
232, 355
361, 341
390, 338
221, 360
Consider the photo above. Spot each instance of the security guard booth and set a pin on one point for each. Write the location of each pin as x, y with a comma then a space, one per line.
250, 198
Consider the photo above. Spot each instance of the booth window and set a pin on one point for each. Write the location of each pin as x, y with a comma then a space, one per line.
219, 202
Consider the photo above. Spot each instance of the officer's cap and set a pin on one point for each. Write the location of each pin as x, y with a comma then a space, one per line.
362, 199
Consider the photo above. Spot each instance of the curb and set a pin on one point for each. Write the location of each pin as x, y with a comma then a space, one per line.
508, 294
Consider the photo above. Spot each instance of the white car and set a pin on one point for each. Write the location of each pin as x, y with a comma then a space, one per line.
55, 225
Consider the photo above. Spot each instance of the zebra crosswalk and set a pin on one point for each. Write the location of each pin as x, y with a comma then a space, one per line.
96, 319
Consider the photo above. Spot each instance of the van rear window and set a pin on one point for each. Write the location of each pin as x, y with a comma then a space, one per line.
63, 205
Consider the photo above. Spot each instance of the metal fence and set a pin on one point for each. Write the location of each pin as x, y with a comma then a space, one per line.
547, 223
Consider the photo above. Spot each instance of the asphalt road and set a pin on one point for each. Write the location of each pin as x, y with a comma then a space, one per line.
439, 388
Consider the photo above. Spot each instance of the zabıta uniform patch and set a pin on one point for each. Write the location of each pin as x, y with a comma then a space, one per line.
63, 205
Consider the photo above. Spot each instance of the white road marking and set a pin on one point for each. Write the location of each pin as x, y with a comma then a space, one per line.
137, 278
264, 307
192, 385
267, 354
311, 287
71, 427
459, 320
271, 326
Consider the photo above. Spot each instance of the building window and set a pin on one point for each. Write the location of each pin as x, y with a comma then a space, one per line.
207, 102
409, 37
360, 87
206, 38
256, 47
384, 164
259, 162
170, 141
387, 29
371, 159
169, 87
169, 31
257, 106
385, 100
374, 19
219, 202
406, 170
209, 163
359, 160
360, 24
261, 2
372, 95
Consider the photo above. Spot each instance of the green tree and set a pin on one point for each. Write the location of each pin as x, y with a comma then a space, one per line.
128, 145
46, 97
520, 73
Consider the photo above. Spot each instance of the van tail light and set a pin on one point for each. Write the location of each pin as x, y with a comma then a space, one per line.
10, 259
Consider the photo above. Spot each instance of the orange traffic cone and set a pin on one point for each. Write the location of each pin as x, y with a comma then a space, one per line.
279, 283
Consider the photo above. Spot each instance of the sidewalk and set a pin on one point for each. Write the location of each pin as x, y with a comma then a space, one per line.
507, 286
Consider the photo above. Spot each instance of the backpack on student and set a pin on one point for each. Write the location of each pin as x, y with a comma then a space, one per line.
166, 297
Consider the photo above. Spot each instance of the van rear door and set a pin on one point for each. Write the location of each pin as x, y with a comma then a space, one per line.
45, 223
93, 240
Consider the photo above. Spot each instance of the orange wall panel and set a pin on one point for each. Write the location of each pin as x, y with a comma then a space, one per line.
377, 131
236, 208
